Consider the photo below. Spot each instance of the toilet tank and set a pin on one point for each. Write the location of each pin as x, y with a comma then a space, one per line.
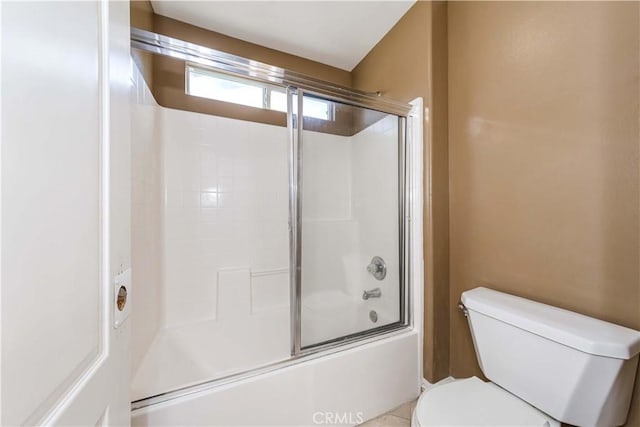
575, 368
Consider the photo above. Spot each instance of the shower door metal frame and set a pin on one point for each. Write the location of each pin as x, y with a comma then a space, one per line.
299, 84
295, 127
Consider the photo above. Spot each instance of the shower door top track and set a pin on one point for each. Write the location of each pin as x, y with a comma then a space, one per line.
248, 68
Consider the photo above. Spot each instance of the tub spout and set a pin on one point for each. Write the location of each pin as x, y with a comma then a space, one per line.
372, 293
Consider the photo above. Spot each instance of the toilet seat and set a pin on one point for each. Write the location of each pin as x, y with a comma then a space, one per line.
473, 402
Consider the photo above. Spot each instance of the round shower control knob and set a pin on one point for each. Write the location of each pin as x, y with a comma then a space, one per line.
377, 268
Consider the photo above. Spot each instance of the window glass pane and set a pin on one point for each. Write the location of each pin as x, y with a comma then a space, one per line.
209, 84
315, 108
214, 87
279, 101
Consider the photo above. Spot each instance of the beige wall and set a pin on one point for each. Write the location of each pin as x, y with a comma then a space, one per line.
401, 67
141, 16
544, 144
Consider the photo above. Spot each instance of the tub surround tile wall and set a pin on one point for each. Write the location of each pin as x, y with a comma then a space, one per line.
210, 216
267, 290
146, 217
226, 209
234, 294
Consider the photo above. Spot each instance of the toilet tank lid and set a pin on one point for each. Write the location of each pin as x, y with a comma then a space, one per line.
575, 330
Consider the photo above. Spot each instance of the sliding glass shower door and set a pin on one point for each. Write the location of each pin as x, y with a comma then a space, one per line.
349, 248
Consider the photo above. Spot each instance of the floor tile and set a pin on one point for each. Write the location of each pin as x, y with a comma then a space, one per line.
387, 420
404, 411
399, 417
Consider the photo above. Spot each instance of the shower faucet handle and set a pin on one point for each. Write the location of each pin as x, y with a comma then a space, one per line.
377, 268
374, 268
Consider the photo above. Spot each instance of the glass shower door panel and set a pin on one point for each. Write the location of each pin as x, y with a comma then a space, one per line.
350, 221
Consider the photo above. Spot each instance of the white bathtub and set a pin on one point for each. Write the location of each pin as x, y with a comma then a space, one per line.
189, 354
342, 388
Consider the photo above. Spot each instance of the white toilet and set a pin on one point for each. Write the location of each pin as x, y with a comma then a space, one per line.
545, 365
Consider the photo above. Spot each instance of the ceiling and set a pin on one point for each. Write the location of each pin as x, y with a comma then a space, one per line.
337, 33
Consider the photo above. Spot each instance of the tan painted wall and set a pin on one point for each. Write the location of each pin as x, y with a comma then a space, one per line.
401, 66
544, 145
141, 16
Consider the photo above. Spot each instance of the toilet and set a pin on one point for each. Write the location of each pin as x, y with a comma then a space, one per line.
545, 365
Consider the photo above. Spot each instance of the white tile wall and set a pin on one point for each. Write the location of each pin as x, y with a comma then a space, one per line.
234, 294
269, 290
220, 298
146, 217
226, 208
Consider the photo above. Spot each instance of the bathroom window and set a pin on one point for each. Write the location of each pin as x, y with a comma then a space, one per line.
213, 85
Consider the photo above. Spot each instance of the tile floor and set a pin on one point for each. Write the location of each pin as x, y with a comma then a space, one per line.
399, 417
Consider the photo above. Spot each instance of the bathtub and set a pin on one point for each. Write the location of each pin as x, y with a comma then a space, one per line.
337, 387
186, 355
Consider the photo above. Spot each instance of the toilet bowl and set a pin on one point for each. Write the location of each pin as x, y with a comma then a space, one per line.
473, 402
545, 365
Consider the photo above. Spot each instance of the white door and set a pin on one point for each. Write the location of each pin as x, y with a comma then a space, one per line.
64, 212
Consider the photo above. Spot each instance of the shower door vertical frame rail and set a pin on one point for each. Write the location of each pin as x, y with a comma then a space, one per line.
404, 221
294, 126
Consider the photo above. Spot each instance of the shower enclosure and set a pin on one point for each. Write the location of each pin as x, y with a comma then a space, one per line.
266, 246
